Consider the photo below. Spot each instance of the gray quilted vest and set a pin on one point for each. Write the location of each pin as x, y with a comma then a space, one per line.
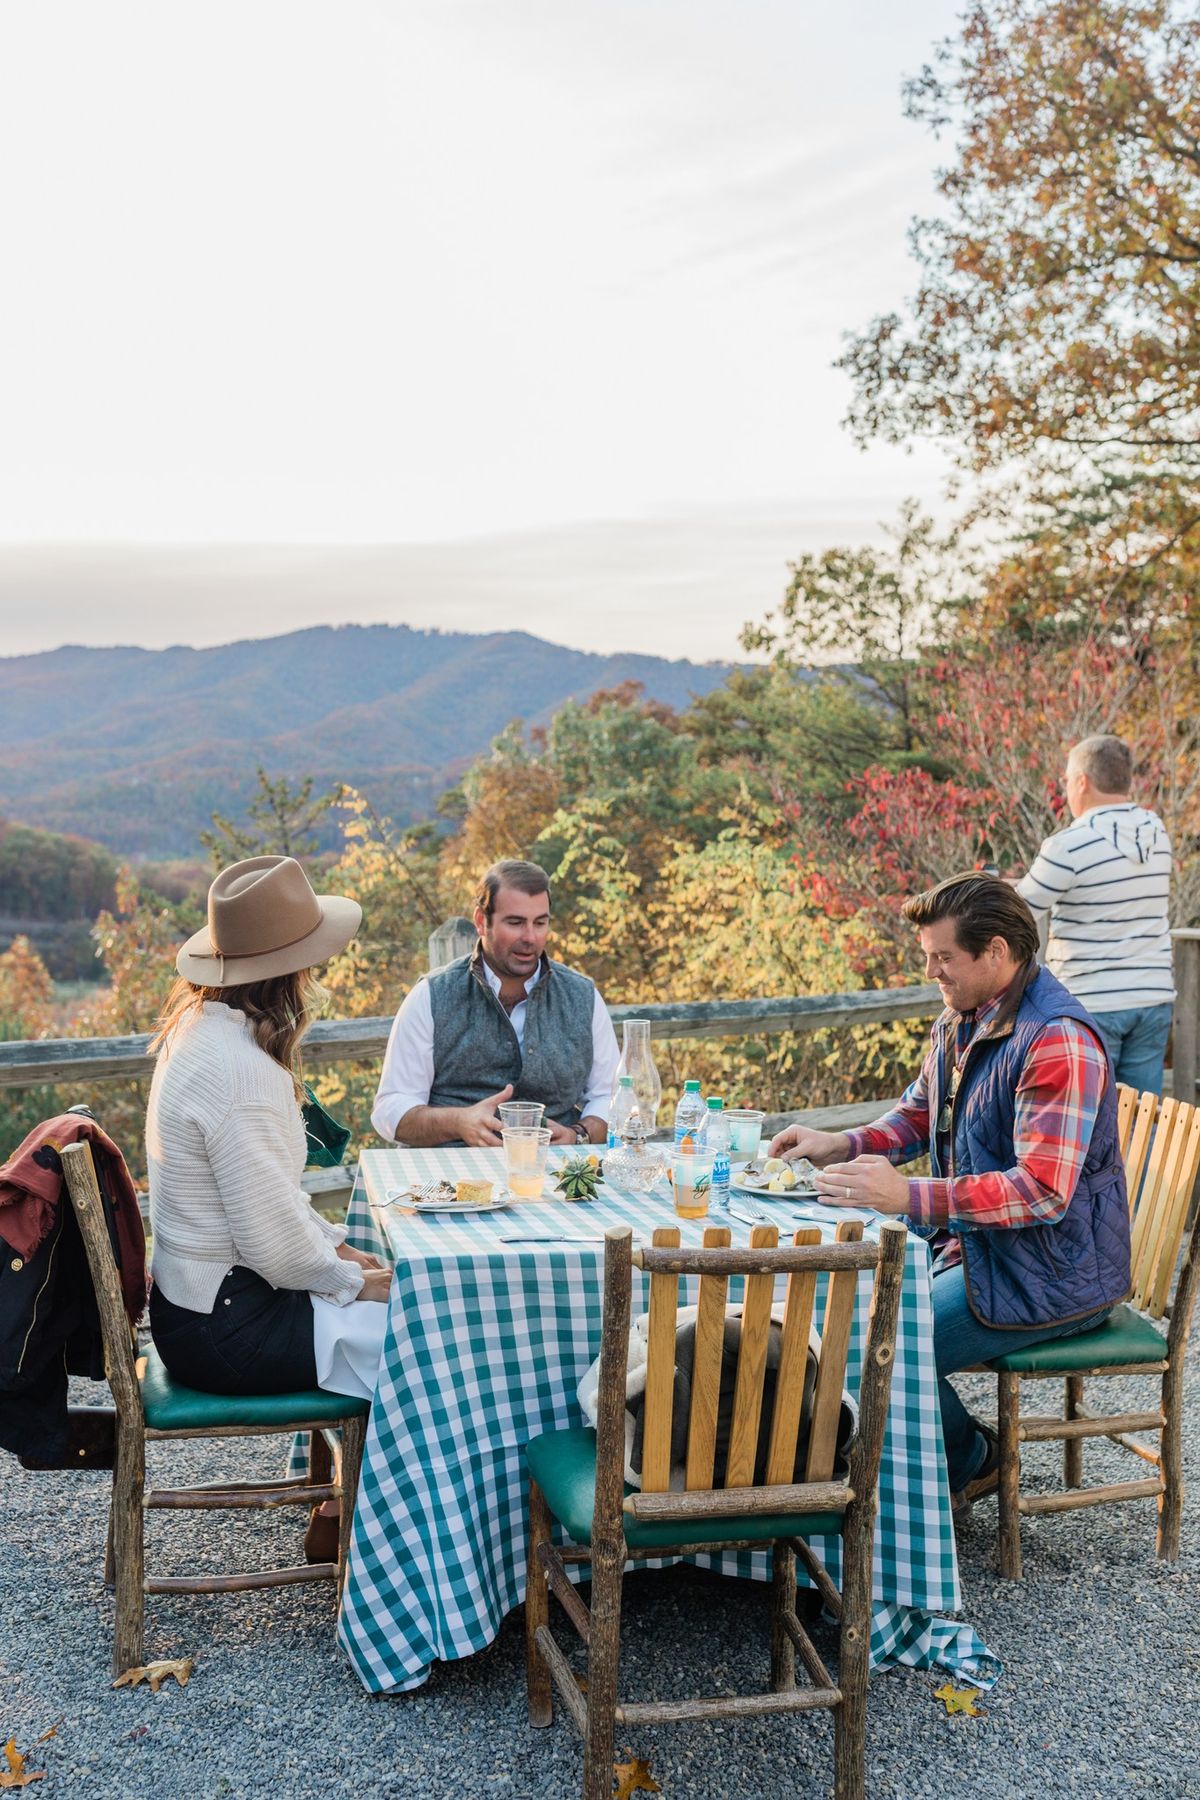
1035, 1275
475, 1049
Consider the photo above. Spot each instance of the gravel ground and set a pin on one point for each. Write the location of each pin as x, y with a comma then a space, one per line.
1100, 1696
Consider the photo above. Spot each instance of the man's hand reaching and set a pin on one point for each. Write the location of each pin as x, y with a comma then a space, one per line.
820, 1147
479, 1125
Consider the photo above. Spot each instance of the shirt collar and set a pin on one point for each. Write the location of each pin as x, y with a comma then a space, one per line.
983, 1015
493, 980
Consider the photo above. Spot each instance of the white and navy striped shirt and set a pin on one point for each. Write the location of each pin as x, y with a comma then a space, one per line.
1104, 880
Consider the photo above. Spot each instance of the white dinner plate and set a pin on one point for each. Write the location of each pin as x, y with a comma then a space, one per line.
440, 1203
463, 1206
760, 1192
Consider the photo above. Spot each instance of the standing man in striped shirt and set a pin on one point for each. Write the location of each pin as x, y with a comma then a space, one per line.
1104, 881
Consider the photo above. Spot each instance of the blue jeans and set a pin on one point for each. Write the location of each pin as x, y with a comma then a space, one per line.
959, 1342
1137, 1042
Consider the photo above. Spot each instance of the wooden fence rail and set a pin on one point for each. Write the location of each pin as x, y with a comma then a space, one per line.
29, 1061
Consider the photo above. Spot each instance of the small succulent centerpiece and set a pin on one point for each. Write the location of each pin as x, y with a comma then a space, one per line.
579, 1177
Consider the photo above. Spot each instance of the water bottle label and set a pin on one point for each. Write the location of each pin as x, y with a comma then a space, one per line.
720, 1179
614, 1138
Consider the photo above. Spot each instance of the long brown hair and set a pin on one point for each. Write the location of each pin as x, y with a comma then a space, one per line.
279, 1012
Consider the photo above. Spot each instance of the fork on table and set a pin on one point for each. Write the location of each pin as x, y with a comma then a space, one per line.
412, 1195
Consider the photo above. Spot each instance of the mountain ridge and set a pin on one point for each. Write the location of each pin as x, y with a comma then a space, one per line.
136, 748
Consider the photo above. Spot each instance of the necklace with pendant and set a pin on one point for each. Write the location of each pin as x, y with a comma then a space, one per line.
945, 1117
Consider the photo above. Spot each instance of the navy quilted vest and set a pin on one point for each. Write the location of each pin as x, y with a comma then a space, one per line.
1035, 1275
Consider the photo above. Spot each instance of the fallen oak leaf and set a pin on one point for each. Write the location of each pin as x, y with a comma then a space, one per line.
959, 1700
156, 1673
17, 1775
634, 1775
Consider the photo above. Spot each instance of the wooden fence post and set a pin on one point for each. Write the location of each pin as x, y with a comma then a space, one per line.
452, 939
1185, 1025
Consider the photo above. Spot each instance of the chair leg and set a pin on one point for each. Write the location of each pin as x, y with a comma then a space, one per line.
854, 1657
320, 1458
110, 1561
129, 1483
604, 1649
354, 1437
1008, 1408
1073, 1447
1170, 1503
783, 1599
537, 1612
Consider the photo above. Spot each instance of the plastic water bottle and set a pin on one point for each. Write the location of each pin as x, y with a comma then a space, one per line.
689, 1114
624, 1110
714, 1137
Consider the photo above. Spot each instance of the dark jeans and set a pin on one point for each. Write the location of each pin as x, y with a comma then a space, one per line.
256, 1340
959, 1342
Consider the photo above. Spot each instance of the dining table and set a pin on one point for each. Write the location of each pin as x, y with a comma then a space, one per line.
493, 1318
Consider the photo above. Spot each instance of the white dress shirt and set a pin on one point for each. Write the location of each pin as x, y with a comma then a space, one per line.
407, 1078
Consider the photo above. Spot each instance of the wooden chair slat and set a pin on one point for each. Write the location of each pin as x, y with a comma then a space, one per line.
1127, 1099
831, 1371
1151, 1195
660, 1371
706, 1367
1187, 1132
752, 1365
1154, 1232
1139, 1144
793, 1364
1139, 1147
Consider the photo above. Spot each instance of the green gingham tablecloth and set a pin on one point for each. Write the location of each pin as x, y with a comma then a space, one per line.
485, 1346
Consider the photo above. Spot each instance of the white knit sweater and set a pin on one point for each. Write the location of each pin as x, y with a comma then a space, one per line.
225, 1147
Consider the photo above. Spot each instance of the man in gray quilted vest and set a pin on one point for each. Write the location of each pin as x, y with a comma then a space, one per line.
505, 1022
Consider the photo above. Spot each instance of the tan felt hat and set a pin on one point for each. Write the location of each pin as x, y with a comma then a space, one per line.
265, 920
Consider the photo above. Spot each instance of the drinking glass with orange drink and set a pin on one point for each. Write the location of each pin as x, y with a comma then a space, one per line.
526, 1149
691, 1181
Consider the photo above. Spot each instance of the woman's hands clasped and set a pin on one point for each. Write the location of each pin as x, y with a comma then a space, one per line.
377, 1277
377, 1285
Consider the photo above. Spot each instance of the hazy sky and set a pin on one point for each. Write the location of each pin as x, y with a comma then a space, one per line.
510, 285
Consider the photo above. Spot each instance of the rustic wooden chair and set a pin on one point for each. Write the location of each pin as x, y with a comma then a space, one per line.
1160, 1142
578, 1479
150, 1405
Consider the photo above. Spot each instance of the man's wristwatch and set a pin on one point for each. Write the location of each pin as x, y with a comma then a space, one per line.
582, 1134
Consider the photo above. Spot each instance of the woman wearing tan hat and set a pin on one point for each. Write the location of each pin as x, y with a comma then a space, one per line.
242, 1265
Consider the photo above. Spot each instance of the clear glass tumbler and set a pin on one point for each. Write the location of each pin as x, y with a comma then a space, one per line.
521, 1112
691, 1182
526, 1148
745, 1132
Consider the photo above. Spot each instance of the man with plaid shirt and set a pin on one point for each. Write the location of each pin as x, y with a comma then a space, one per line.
1016, 1106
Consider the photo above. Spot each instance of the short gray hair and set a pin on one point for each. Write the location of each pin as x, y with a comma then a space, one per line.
1106, 761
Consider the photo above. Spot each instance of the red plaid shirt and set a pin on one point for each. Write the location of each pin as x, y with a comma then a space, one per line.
1057, 1099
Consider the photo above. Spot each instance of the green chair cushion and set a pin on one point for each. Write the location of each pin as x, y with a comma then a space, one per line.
563, 1463
169, 1406
1124, 1337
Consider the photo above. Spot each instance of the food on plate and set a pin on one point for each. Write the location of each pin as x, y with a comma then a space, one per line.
579, 1177
774, 1165
473, 1193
